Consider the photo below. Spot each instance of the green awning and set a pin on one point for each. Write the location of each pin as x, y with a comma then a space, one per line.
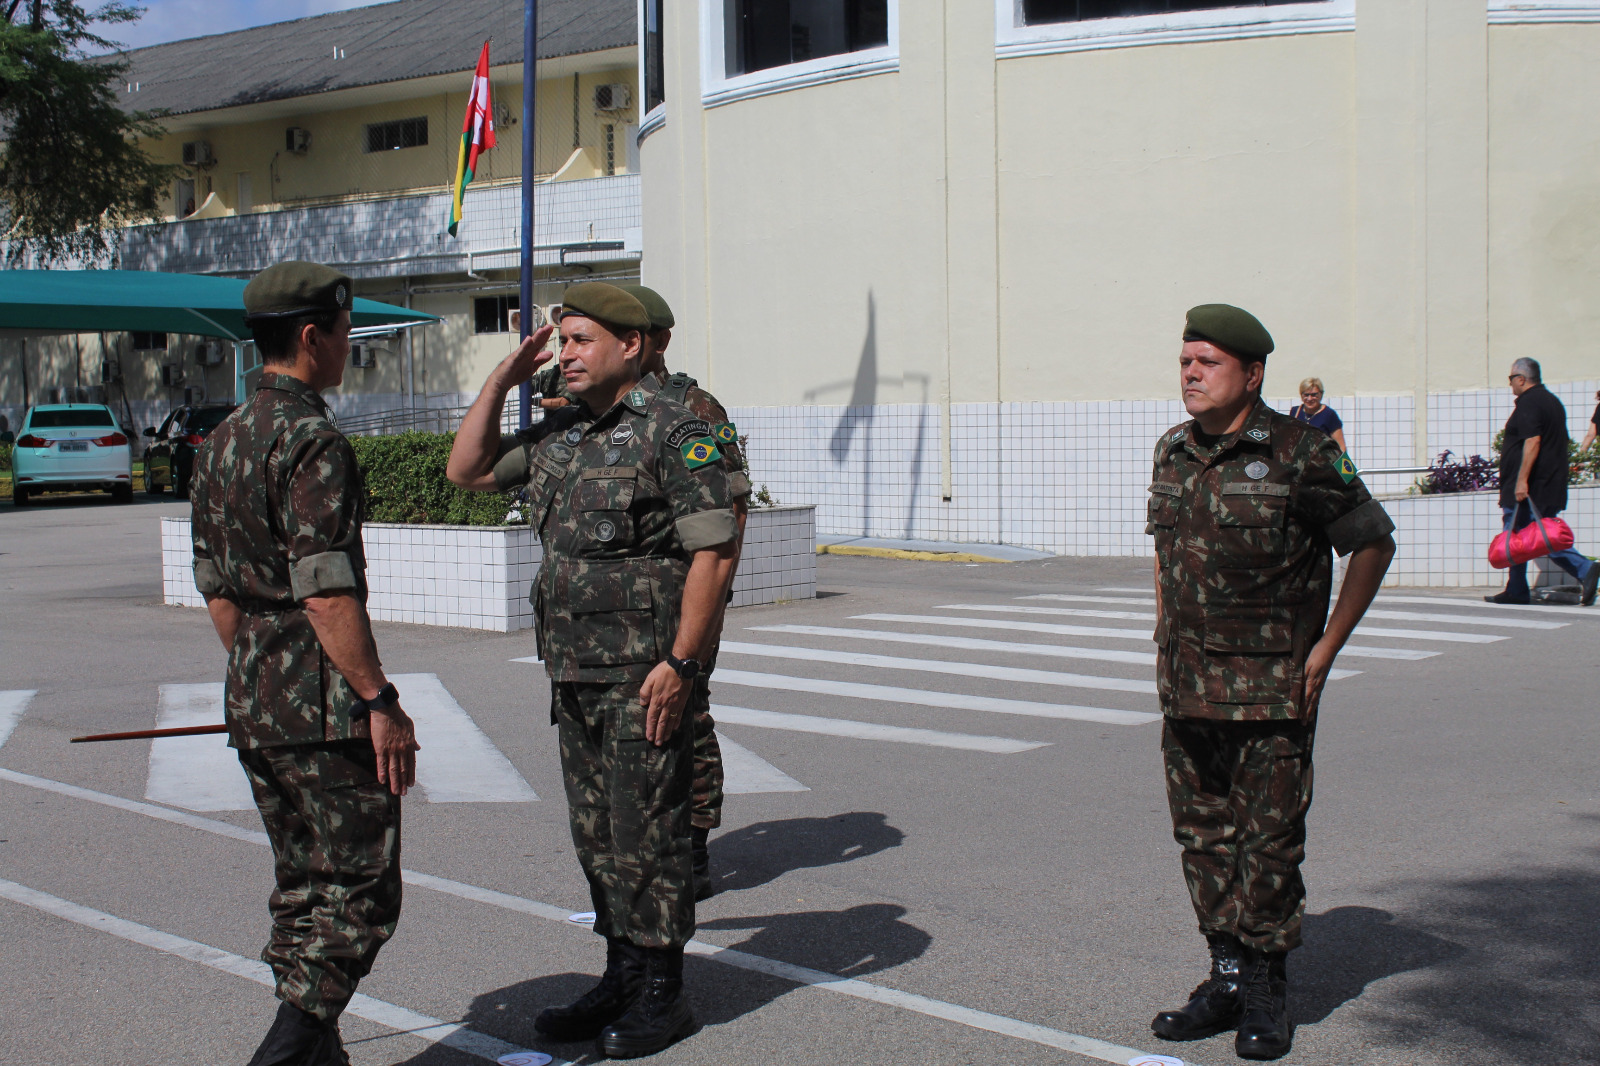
91, 301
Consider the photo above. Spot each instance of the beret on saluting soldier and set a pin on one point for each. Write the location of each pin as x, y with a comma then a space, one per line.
660, 313
1231, 328
606, 304
293, 289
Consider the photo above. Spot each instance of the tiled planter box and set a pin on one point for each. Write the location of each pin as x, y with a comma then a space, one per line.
1443, 540
478, 576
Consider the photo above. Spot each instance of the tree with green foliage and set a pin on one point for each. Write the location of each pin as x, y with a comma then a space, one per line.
71, 168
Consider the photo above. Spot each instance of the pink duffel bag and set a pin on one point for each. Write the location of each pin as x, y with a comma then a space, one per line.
1544, 536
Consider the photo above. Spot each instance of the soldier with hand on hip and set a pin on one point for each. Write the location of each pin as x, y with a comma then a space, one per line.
277, 504
631, 497
1246, 507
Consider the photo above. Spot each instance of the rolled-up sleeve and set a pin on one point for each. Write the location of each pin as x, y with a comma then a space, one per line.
707, 529
208, 578
321, 515
700, 492
511, 468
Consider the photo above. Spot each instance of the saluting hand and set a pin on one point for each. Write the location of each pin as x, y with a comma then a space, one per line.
664, 695
530, 355
394, 738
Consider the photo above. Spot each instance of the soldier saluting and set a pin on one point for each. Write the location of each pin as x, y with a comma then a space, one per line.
631, 497
277, 503
1245, 504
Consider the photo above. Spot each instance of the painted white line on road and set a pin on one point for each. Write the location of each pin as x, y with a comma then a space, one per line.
1480, 604
746, 773
1335, 674
843, 727
939, 640
927, 698
1060, 612
1429, 634
431, 1030
1082, 1045
1363, 652
943, 666
1464, 620
12, 703
1140, 592
1127, 601
457, 763
198, 773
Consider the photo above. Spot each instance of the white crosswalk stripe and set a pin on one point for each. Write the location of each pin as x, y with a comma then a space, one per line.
1059, 612
745, 773
841, 727
1581, 613
457, 763
926, 698
196, 773
1463, 620
13, 702
1429, 634
940, 666
1056, 628
1130, 601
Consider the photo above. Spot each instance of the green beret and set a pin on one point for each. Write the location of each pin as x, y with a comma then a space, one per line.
1231, 328
660, 313
292, 289
605, 303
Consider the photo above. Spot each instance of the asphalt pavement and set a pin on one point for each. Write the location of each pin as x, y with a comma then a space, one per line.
949, 845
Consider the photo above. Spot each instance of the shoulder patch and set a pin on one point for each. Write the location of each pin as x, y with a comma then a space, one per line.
698, 453
726, 433
1346, 467
636, 398
687, 430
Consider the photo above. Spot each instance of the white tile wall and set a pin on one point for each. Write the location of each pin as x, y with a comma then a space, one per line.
478, 577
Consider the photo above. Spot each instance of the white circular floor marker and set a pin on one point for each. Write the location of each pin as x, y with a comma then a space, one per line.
524, 1058
1155, 1060
581, 918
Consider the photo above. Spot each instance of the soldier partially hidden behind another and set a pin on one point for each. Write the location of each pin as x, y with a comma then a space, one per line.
277, 504
1244, 505
631, 497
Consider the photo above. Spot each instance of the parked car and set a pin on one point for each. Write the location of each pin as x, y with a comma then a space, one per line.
71, 447
169, 457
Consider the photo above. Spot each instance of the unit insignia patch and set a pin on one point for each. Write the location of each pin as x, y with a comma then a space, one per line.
1257, 470
688, 430
698, 453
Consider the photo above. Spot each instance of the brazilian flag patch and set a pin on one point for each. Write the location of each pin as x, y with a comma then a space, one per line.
698, 453
726, 433
1346, 467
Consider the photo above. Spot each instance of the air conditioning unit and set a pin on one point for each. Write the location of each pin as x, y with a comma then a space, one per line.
210, 353
197, 154
615, 97
297, 140
194, 394
363, 356
110, 370
171, 375
552, 314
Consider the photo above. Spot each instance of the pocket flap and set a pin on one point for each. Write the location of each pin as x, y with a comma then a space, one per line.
1251, 504
1249, 636
605, 493
598, 593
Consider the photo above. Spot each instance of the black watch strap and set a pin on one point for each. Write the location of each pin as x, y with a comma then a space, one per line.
687, 669
387, 697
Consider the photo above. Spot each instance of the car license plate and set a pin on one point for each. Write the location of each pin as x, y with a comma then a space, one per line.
74, 446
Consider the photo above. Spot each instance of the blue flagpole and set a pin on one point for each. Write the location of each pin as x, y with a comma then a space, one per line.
530, 83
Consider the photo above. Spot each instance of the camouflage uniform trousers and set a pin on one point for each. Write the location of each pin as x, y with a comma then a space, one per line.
628, 801
706, 806
1239, 792
335, 835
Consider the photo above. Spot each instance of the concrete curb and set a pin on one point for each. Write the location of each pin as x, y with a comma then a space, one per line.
902, 553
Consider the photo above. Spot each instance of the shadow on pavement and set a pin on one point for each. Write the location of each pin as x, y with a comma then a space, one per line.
508, 1013
757, 854
1347, 949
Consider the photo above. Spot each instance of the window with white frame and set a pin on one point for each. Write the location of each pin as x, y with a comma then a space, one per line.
653, 58
1035, 27
753, 47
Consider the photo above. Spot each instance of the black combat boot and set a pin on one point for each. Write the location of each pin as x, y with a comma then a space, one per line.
602, 1004
1265, 1032
1217, 1003
300, 1039
702, 859
659, 1017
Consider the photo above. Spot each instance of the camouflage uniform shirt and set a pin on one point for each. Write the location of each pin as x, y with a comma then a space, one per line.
687, 391
1243, 528
277, 504
621, 502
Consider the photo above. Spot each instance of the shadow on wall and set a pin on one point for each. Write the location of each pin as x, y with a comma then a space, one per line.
853, 431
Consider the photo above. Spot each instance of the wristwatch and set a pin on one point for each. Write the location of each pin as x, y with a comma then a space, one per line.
387, 697
687, 669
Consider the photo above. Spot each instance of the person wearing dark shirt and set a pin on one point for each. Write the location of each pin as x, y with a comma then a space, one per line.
1594, 426
1312, 411
1533, 476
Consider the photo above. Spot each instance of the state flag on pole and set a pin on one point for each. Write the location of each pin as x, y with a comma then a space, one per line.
477, 135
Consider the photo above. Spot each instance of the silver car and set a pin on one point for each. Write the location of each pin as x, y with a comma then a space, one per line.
71, 447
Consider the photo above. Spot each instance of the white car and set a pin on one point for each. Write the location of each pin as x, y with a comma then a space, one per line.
71, 447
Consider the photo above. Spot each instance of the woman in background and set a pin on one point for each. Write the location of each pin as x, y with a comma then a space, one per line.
1594, 426
1310, 410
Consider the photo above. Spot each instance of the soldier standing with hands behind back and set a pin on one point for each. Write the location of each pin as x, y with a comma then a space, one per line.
632, 501
1245, 504
277, 504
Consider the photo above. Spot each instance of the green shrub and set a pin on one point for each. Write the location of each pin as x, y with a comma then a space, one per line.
5, 457
406, 483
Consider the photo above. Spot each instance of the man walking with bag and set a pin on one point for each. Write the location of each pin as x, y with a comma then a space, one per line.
1533, 478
